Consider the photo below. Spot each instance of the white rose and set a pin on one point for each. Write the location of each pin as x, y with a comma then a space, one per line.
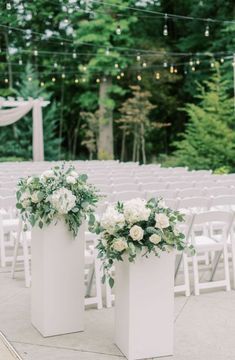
155, 239
49, 174
120, 245
162, 221
70, 180
162, 204
29, 180
74, 174
25, 203
136, 233
34, 197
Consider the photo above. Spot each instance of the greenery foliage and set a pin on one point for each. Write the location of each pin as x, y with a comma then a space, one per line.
58, 194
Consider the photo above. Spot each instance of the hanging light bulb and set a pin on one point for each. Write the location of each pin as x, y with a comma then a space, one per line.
42, 83
138, 57
157, 75
191, 62
198, 62
55, 65
212, 64
116, 66
222, 60
165, 64
8, 5
144, 64
84, 68
30, 78
107, 52
6, 81
171, 69
139, 77
118, 30
165, 29
63, 75
20, 62
175, 70
76, 81
53, 79
193, 68
118, 77
74, 54
207, 31
98, 80
122, 74
35, 52
66, 20
83, 80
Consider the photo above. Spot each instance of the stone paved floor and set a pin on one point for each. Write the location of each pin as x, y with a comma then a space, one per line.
204, 328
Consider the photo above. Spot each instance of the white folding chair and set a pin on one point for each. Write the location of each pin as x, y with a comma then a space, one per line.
215, 227
125, 187
170, 194
127, 195
190, 192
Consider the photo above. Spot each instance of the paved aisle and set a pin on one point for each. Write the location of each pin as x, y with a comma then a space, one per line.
204, 328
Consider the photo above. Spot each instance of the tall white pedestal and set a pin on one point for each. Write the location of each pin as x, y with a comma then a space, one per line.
144, 306
57, 292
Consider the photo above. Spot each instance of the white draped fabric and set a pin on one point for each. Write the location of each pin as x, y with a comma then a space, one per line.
10, 116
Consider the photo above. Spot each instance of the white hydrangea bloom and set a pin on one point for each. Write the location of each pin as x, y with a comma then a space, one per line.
112, 219
135, 210
63, 200
25, 199
48, 174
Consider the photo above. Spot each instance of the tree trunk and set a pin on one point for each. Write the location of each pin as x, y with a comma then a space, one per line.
123, 144
10, 75
105, 141
134, 148
143, 144
61, 116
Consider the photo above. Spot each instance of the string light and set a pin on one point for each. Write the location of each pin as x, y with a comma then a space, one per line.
107, 52
144, 64
158, 75
76, 81
42, 83
55, 65
53, 79
83, 80
122, 74
138, 57
193, 68
165, 64
212, 64
118, 77
63, 76
198, 62
116, 66
35, 52
222, 60
20, 62
74, 55
171, 69
165, 29
98, 80
118, 30
6, 81
207, 31
139, 77
29, 78
191, 62
175, 70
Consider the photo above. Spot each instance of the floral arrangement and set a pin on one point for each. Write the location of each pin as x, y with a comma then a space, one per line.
58, 193
134, 227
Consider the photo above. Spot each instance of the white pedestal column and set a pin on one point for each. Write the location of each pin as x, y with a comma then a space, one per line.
144, 306
57, 292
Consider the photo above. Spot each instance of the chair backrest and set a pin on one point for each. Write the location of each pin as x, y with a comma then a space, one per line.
194, 204
180, 185
190, 192
127, 195
223, 202
218, 191
205, 184
125, 187
170, 194
155, 186
171, 203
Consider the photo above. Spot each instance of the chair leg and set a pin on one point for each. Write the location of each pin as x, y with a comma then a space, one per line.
26, 260
16, 248
233, 258
98, 283
186, 275
108, 292
226, 268
196, 275
2, 248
